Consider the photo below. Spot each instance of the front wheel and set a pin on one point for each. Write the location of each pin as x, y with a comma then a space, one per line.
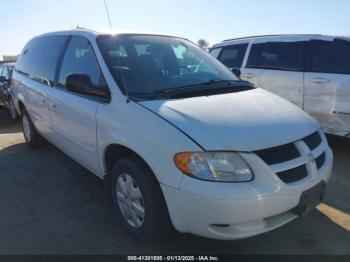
138, 200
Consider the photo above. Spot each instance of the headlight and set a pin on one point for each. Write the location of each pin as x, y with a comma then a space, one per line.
214, 166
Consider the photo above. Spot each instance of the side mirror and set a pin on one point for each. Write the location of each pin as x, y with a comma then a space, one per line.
82, 84
236, 71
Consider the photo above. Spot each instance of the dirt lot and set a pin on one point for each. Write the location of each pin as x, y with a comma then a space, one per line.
51, 205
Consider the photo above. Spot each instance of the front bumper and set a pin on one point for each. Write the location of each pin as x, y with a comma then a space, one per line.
229, 211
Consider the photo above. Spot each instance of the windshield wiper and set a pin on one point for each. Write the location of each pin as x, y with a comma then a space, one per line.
206, 83
214, 84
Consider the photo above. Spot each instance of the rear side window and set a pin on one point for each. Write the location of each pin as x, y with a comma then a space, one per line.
80, 59
330, 57
233, 56
277, 56
39, 58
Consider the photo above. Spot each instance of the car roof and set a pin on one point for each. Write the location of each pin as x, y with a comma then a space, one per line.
90, 33
281, 37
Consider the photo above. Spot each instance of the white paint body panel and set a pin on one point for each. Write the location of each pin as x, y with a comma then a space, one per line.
240, 121
74, 124
288, 85
157, 130
327, 98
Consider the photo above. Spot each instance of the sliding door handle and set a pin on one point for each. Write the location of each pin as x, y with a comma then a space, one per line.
320, 81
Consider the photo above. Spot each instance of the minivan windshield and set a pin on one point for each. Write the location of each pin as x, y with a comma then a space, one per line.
146, 66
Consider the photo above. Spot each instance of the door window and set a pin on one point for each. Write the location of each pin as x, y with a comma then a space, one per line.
39, 58
215, 52
233, 56
6, 72
277, 55
80, 59
330, 57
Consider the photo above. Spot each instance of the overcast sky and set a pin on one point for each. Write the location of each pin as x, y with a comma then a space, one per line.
194, 19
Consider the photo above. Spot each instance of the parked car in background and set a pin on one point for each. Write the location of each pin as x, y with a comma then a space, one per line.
6, 71
311, 71
176, 137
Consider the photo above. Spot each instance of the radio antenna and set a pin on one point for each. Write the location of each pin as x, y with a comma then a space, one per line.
108, 16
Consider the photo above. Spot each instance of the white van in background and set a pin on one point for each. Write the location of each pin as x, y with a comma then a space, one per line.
311, 71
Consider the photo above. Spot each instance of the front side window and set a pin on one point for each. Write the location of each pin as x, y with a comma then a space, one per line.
80, 59
145, 65
330, 56
39, 58
215, 52
233, 56
277, 55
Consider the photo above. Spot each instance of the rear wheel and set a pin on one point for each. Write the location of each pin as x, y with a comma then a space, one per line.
31, 136
138, 200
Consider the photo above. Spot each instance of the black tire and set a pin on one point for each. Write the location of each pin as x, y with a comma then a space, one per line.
12, 110
156, 222
32, 138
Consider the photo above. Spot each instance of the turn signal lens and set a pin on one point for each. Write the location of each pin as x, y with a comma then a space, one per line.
182, 161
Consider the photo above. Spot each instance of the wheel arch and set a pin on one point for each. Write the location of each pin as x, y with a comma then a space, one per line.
112, 154
115, 152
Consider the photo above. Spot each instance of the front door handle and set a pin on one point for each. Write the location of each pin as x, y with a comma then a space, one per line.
320, 81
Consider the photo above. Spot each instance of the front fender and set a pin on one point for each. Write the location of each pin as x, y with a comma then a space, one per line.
152, 138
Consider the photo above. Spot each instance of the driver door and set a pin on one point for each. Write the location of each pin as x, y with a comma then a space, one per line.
73, 114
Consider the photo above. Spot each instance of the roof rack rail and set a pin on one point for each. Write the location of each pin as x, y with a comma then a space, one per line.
257, 36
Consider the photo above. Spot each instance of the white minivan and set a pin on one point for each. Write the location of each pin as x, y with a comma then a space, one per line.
311, 71
177, 138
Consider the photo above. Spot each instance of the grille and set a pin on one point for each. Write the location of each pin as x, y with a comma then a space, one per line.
293, 175
289, 152
313, 140
278, 154
320, 161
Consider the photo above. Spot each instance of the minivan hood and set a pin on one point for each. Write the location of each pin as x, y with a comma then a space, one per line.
242, 121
